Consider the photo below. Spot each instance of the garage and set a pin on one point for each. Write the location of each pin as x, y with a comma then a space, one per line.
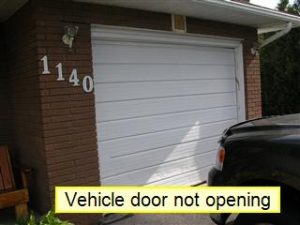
100, 92
162, 101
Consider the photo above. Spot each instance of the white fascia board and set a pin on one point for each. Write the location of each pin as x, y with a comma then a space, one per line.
258, 10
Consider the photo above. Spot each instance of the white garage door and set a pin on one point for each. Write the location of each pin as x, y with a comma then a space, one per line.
161, 105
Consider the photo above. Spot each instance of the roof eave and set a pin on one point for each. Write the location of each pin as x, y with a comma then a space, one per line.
261, 11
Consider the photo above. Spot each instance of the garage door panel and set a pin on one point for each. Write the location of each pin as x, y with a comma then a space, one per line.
134, 144
127, 91
189, 177
164, 171
147, 107
158, 156
199, 174
160, 54
160, 108
142, 73
119, 128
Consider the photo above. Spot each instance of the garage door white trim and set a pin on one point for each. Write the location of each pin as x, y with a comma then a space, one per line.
162, 100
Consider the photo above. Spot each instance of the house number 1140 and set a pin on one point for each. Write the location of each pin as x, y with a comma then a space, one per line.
87, 81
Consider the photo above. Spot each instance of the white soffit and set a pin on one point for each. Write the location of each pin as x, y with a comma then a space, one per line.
216, 10
9, 7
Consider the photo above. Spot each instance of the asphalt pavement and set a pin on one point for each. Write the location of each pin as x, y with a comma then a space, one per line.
162, 219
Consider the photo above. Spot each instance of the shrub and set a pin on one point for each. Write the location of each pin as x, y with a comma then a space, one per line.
49, 219
280, 69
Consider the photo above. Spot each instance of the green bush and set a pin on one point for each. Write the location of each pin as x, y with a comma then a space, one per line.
49, 219
280, 69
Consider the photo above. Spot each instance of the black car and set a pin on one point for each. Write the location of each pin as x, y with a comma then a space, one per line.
262, 152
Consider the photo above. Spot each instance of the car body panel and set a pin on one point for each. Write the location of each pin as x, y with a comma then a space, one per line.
261, 151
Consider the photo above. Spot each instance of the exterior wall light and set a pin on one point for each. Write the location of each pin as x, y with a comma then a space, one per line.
255, 49
70, 34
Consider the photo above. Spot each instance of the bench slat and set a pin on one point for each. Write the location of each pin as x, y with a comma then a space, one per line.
13, 198
6, 173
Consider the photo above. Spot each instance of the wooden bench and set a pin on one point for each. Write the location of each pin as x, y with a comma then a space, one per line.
10, 196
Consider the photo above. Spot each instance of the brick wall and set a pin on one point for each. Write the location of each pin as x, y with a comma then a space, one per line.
5, 118
27, 136
253, 83
55, 122
69, 113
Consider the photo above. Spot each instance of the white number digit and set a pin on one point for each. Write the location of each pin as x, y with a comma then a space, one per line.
88, 84
60, 75
74, 78
45, 65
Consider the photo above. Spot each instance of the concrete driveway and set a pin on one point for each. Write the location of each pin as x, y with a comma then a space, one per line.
165, 219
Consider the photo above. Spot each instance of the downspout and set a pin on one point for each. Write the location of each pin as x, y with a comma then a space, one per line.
256, 47
276, 36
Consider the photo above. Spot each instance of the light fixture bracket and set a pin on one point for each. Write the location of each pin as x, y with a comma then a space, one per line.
70, 34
